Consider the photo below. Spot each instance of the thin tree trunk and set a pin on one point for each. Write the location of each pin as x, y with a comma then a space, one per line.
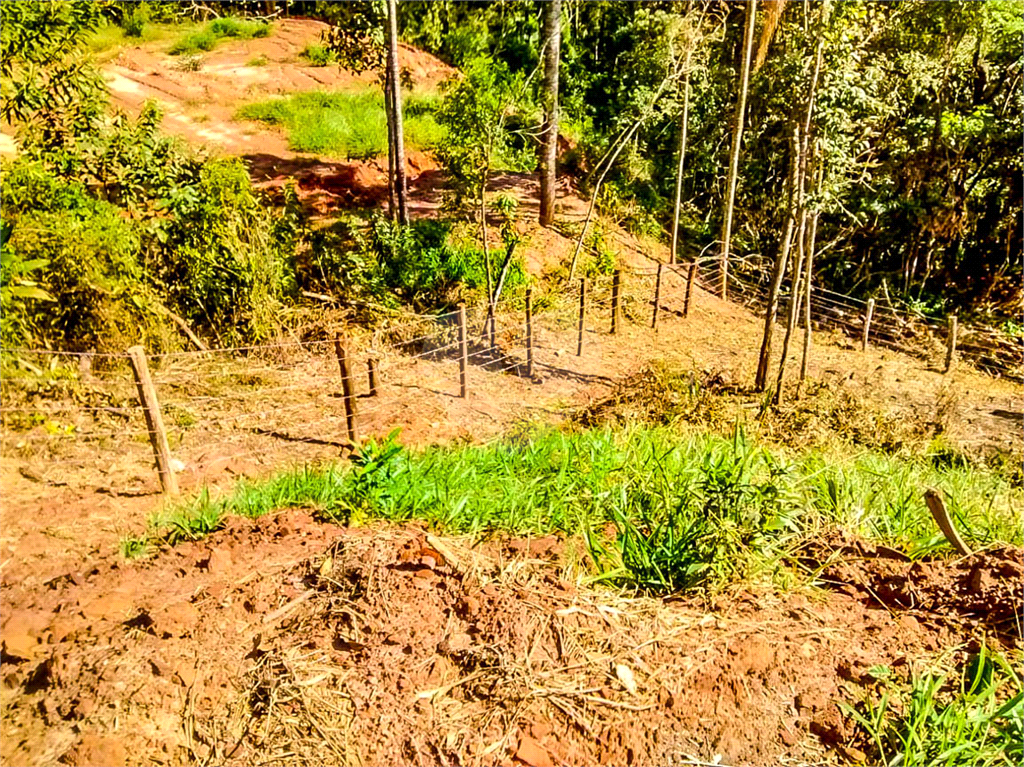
549, 149
509, 252
781, 262
737, 140
401, 185
489, 322
794, 309
597, 189
674, 258
389, 114
812, 236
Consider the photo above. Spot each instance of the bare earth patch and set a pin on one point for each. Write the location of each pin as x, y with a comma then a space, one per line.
288, 639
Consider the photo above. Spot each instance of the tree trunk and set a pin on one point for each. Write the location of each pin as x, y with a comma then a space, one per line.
794, 309
549, 147
401, 185
737, 140
812, 234
389, 115
781, 262
684, 126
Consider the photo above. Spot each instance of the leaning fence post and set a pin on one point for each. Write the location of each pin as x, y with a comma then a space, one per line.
371, 374
583, 316
616, 285
154, 420
951, 343
463, 353
529, 333
347, 393
657, 297
867, 324
690, 277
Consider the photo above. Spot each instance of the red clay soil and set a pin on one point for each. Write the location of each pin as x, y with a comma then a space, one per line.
986, 587
287, 639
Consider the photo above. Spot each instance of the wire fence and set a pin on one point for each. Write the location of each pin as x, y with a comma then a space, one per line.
81, 415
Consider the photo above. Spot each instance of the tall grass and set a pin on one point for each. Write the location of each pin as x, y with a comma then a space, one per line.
686, 511
210, 36
345, 123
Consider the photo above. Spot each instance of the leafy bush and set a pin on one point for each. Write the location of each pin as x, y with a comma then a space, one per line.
212, 250
91, 266
230, 267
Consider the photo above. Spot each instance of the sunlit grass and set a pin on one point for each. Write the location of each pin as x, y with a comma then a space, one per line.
973, 715
345, 123
687, 510
214, 32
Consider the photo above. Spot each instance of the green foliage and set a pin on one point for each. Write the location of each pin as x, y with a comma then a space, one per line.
422, 265
135, 20
18, 289
145, 227
356, 36
47, 85
216, 32
977, 719
344, 123
318, 55
475, 110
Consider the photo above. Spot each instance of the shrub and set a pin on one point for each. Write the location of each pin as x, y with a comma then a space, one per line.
135, 20
91, 258
318, 55
226, 265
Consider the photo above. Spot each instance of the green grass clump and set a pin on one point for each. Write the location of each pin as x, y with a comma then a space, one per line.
685, 511
318, 55
977, 719
217, 30
344, 123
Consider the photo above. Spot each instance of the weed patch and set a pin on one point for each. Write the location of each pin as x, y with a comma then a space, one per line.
659, 510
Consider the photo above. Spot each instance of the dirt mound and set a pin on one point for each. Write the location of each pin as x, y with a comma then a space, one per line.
383, 645
986, 587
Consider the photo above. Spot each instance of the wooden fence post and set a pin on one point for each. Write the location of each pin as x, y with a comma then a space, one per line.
867, 324
951, 343
347, 392
529, 333
657, 297
690, 277
463, 353
616, 285
154, 420
583, 316
371, 372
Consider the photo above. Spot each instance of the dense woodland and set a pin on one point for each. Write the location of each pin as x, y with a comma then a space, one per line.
878, 143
